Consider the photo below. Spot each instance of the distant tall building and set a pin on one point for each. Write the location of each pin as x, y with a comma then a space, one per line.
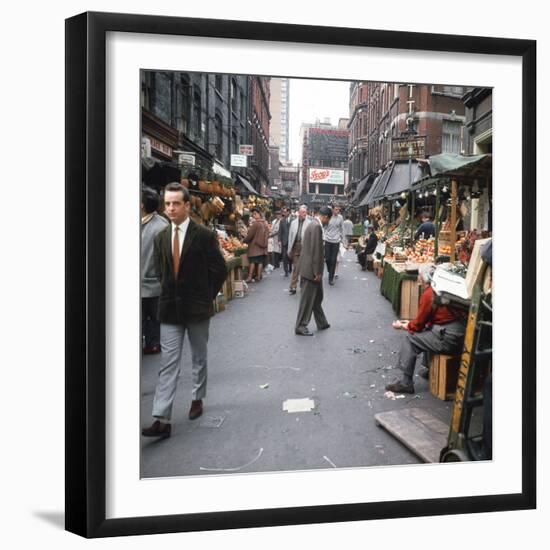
324, 162
279, 109
290, 180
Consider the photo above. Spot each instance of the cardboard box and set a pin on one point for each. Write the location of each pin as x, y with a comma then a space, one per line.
444, 376
238, 289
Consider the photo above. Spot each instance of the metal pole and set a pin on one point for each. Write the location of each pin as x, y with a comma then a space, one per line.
410, 184
436, 221
453, 218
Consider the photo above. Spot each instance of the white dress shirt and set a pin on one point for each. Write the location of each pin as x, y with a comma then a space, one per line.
182, 228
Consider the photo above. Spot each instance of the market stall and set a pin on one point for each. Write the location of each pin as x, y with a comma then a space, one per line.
450, 188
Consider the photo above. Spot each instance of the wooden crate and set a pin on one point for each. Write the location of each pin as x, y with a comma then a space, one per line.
410, 296
444, 376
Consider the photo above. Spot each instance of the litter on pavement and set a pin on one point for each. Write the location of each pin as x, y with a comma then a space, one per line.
264, 386
212, 421
350, 395
393, 396
234, 469
329, 461
298, 405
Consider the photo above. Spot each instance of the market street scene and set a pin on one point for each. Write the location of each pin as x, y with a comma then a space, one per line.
316, 274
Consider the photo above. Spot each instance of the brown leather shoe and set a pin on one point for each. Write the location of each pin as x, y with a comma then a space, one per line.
196, 409
157, 429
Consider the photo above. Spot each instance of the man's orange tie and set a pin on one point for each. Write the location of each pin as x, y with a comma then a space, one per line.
176, 252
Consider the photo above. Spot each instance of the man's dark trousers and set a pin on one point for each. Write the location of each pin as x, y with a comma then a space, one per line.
150, 325
331, 255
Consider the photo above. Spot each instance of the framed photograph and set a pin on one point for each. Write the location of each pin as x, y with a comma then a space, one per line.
193, 146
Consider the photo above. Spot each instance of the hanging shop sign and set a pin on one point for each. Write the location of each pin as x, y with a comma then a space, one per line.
145, 147
161, 147
186, 159
238, 160
247, 150
326, 175
400, 147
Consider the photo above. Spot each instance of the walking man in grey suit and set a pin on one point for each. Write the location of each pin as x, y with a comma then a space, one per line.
192, 270
151, 225
310, 270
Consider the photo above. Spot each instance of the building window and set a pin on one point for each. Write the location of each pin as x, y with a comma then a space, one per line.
454, 91
163, 96
234, 143
183, 106
326, 189
312, 188
234, 95
197, 114
218, 128
219, 83
146, 85
243, 108
450, 142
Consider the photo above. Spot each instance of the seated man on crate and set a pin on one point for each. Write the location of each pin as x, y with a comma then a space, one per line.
436, 329
366, 247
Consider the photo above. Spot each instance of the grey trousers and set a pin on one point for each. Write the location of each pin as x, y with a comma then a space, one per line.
311, 298
171, 343
447, 339
295, 255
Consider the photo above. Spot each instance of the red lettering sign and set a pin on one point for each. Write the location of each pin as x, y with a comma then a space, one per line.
316, 175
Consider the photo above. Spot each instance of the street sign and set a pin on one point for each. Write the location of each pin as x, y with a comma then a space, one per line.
400, 147
238, 160
186, 158
247, 150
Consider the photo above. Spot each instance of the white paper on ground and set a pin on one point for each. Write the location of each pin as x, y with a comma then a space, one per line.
298, 405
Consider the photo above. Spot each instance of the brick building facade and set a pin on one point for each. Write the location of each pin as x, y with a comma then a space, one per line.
380, 113
209, 115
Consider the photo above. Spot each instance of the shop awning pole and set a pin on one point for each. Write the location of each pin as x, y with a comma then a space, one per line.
413, 210
436, 221
453, 218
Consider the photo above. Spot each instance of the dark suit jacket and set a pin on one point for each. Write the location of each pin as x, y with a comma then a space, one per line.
201, 275
312, 255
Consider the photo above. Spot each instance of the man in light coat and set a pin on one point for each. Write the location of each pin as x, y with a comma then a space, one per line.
295, 237
311, 275
151, 225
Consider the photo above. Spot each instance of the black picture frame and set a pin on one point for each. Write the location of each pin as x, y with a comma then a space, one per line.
86, 265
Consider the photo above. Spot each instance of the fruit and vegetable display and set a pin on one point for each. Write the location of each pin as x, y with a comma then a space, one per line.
231, 246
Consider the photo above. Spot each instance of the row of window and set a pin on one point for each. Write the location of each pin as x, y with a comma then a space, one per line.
325, 189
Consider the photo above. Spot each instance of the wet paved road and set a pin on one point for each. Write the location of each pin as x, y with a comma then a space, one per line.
252, 344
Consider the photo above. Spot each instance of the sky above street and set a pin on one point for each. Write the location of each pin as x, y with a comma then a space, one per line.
312, 99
